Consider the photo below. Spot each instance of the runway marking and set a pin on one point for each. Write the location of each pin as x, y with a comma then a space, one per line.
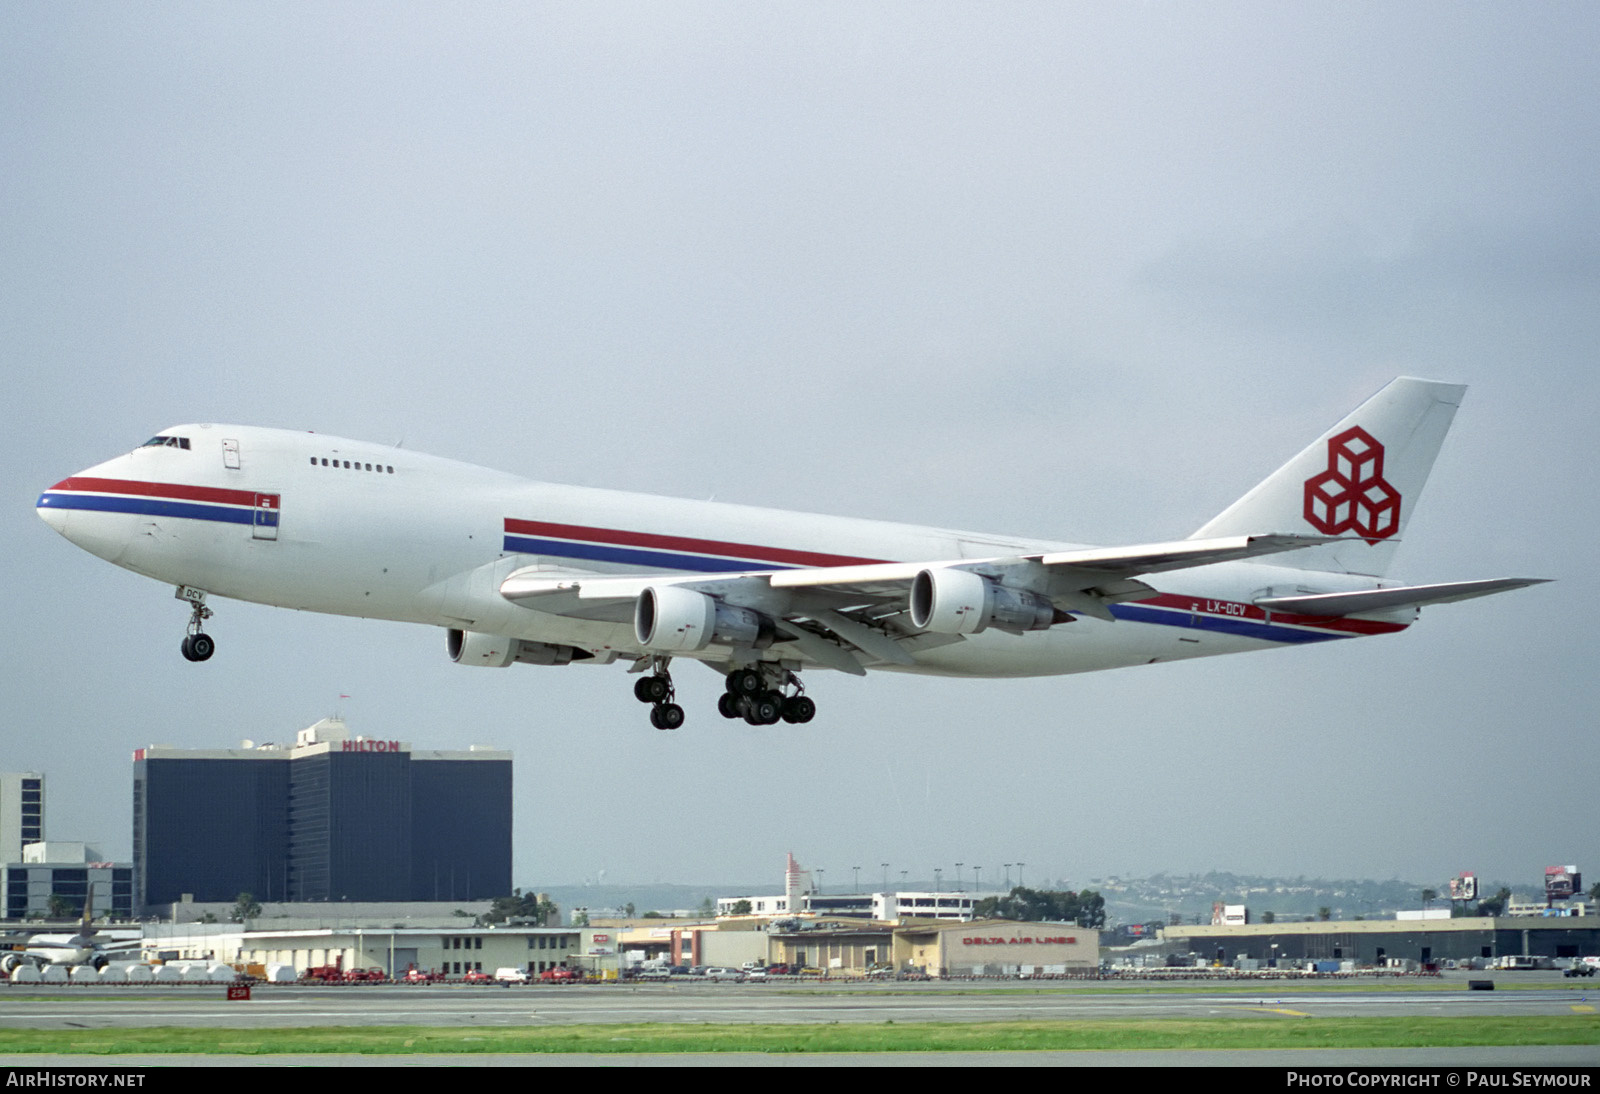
1280, 1010
1583, 1008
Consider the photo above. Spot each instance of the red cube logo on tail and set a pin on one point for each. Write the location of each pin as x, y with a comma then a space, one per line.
1351, 495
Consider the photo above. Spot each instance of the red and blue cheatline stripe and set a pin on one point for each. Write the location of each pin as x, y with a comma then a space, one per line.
162, 499
1246, 620
711, 556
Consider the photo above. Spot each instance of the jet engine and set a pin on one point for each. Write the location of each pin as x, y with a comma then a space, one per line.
949, 601
673, 619
496, 651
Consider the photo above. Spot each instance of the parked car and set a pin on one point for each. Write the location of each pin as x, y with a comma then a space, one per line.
509, 975
717, 972
560, 975
478, 976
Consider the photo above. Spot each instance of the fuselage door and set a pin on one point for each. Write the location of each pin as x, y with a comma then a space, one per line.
265, 523
230, 454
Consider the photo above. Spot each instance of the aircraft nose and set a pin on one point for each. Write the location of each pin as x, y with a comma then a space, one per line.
49, 506
75, 508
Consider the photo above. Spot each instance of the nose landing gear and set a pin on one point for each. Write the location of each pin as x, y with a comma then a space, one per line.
197, 645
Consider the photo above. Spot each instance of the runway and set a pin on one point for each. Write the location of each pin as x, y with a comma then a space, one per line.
445, 1006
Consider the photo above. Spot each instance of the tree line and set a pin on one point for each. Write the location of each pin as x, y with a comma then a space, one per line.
1086, 908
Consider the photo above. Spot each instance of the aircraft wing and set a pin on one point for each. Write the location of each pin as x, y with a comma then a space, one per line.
833, 613
1407, 596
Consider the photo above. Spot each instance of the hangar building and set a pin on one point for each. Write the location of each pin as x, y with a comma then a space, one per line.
1382, 941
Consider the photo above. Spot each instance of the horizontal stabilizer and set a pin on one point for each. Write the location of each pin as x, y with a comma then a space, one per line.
1382, 600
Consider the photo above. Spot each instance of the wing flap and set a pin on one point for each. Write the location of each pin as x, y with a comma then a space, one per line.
1155, 558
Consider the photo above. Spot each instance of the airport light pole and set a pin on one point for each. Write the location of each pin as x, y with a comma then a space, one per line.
958, 877
856, 884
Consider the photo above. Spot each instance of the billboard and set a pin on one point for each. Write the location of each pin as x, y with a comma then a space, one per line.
1562, 882
1229, 915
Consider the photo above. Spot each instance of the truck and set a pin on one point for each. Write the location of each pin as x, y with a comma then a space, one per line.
326, 974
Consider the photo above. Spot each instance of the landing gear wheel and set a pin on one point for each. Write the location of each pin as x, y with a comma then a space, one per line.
666, 716
198, 647
652, 689
762, 711
799, 709
728, 705
747, 682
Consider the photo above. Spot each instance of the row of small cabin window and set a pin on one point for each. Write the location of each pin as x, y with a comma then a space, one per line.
358, 465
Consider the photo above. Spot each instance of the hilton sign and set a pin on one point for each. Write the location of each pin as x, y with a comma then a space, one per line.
369, 746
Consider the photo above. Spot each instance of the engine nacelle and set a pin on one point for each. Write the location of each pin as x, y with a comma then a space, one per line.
496, 651
674, 619
948, 601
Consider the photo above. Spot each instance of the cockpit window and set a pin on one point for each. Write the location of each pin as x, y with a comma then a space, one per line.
169, 442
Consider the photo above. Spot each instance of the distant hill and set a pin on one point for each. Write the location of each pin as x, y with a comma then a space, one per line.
1128, 899
1190, 896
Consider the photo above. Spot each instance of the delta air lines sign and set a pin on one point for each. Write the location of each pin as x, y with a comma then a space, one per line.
1020, 940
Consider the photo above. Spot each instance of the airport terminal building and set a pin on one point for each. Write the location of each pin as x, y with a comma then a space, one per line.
331, 818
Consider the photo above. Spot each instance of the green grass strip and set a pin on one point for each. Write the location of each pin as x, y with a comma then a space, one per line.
1251, 1032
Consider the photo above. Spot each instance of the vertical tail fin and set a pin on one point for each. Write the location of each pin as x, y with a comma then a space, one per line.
1361, 479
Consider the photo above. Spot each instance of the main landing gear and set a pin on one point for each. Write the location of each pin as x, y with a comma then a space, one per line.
758, 695
657, 690
197, 645
763, 695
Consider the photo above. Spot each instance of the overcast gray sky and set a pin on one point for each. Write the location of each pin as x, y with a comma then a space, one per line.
1079, 271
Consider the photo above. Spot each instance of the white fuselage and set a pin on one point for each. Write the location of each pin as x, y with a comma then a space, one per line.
324, 524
